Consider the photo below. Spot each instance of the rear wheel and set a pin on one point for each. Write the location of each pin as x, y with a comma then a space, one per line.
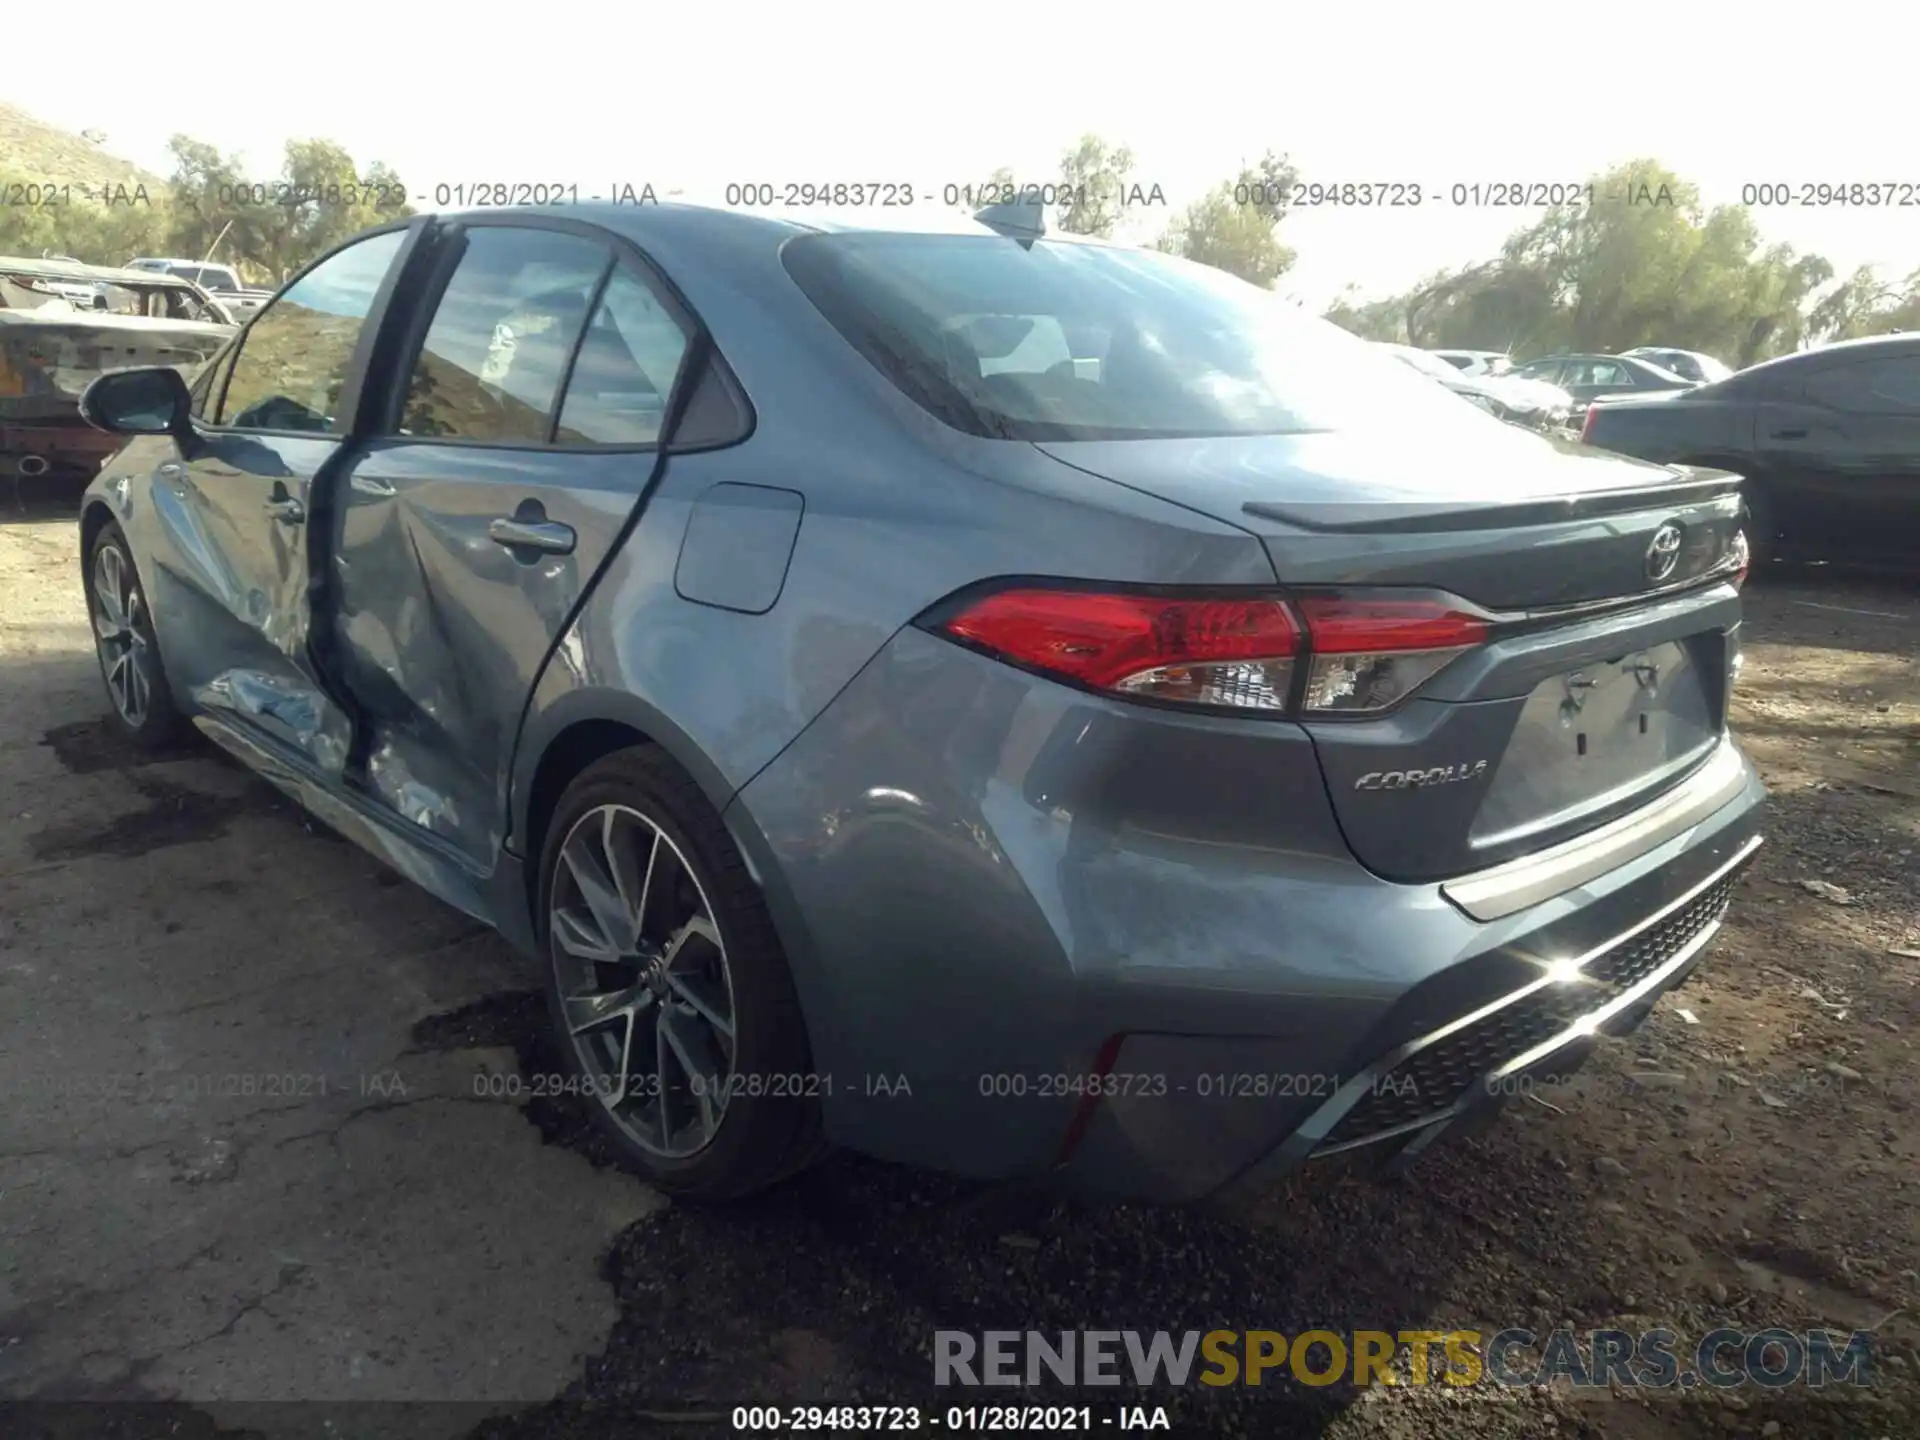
669, 993
123, 637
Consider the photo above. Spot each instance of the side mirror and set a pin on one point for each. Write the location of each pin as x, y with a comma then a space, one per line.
151, 401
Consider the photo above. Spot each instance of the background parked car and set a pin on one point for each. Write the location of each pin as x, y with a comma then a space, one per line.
1531, 403
1477, 362
1588, 377
1829, 440
63, 323
1688, 364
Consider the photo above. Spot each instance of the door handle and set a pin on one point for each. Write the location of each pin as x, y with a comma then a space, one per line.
287, 510
1790, 434
548, 535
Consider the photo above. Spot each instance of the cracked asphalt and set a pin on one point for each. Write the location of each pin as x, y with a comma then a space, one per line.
227, 1171
251, 1158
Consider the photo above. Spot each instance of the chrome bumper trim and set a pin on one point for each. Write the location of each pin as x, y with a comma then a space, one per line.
1505, 889
1322, 1121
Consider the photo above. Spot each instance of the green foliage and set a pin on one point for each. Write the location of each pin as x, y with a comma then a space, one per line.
1095, 174
274, 226
1644, 264
265, 227
1232, 228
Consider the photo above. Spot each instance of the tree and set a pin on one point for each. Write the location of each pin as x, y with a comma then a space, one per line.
108, 226
1863, 304
1232, 227
1095, 175
1642, 264
275, 226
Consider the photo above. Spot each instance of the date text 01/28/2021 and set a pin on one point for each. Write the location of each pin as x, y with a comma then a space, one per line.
1068, 1419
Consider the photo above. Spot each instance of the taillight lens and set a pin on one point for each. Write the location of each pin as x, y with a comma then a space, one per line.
1363, 652
1586, 425
1370, 653
1198, 651
1742, 555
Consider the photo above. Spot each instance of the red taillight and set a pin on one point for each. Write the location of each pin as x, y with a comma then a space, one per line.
1586, 425
1343, 625
1742, 558
1202, 650
1365, 651
1371, 652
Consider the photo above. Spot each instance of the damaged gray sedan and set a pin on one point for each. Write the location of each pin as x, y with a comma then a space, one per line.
989, 699
63, 324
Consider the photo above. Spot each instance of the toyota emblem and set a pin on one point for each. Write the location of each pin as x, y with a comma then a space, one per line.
1663, 554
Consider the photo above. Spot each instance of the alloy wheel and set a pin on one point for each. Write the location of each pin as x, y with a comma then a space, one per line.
643, 979
119, 624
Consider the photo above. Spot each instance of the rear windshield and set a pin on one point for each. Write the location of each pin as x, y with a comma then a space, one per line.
1066, 341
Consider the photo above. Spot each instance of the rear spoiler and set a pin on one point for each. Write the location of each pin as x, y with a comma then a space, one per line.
1693, 487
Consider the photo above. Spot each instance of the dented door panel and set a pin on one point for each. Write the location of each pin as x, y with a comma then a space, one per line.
444, 628
234, 518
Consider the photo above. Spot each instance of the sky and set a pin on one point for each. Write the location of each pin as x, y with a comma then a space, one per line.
696, 96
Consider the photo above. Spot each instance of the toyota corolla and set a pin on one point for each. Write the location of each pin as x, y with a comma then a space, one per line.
986, 698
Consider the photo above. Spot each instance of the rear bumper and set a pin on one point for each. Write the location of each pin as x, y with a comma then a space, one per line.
1452, 1045
1415, 1093
1040, 934
72, 448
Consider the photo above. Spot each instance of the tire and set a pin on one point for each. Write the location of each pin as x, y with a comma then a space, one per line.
701, 1114
139, 699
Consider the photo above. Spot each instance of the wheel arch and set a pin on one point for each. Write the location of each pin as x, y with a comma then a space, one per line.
560, 742
95, 516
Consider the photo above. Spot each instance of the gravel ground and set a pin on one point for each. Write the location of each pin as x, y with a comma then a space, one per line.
1747, 1159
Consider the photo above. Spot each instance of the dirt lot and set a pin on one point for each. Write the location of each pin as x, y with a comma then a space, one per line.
355, 1224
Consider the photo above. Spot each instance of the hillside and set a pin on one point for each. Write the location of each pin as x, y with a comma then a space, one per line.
32, 150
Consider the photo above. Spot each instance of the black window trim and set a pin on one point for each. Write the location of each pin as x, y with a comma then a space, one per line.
702, 354
1837, 366
363, 348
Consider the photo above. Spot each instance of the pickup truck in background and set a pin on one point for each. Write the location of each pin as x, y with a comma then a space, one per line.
220, 281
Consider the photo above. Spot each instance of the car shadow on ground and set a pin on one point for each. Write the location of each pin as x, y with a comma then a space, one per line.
830, 1288
37, 500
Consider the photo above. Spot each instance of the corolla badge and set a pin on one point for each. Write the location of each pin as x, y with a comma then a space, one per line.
1663, 552
1418, 779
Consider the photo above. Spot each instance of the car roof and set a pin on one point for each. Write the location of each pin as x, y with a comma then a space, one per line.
1841, 351
692, 221
44, 269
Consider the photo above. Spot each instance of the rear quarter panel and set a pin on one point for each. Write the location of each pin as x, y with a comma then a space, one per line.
899, 511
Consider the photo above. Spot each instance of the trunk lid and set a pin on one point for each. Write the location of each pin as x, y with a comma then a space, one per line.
46, 362
1604, 679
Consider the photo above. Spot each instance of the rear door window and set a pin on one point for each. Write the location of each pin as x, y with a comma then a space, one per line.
502, 336
1599, 372
627, 367
1889, 386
